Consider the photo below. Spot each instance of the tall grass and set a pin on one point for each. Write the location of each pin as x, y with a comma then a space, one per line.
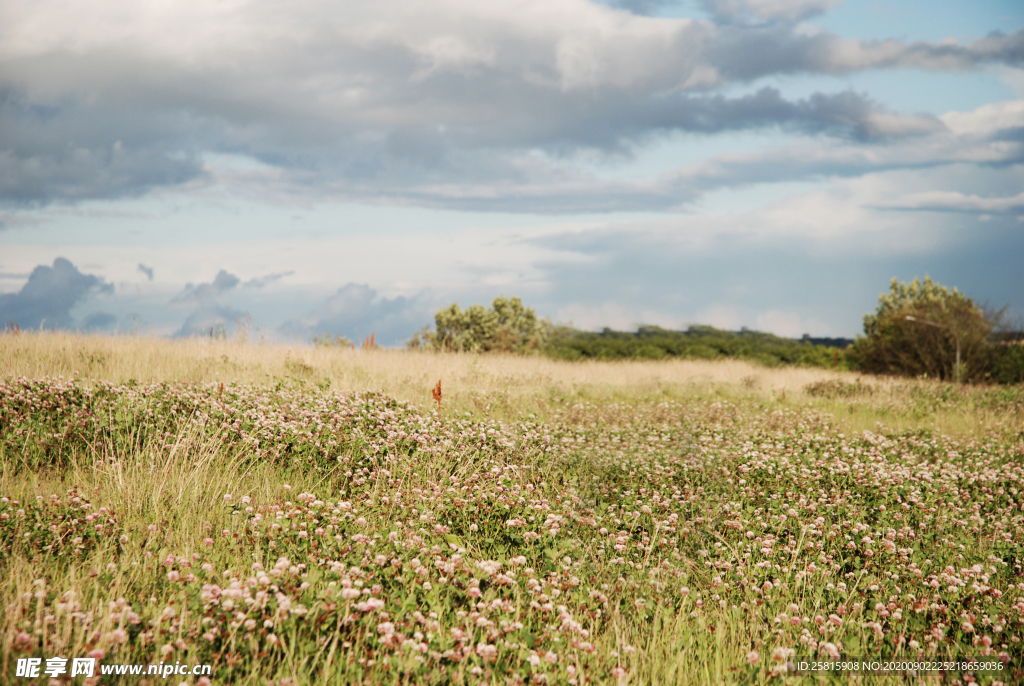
201, 360
503, 386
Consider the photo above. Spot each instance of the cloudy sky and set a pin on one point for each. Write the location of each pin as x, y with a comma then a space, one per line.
321, 165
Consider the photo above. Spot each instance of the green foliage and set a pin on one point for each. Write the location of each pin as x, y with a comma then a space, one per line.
1006, 362
925, 345
327, 340
507, 327
697, 342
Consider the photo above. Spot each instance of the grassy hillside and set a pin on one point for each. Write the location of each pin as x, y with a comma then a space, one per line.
308, 516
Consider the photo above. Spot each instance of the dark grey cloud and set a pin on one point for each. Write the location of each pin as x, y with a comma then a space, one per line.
742, 54
846, 114
435, 105
46, 300
472, 168
148, 271
66, 149
356, 311
199, 294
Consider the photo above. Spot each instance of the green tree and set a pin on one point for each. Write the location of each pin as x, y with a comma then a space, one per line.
508, 326
469, 330
918, 329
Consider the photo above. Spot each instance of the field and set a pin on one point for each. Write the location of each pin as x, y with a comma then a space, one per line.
312, 516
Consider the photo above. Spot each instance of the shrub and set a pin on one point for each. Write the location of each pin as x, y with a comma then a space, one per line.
917, 329
508, 326
1006, 362
697, 342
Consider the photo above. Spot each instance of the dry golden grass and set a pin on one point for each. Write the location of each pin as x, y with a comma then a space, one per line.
408, 375
501, 386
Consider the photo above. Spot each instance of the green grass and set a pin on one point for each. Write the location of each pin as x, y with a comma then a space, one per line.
656, 534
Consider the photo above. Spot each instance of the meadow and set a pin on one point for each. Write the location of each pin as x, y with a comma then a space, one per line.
298, 515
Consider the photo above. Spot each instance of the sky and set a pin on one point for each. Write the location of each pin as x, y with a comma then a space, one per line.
318, 166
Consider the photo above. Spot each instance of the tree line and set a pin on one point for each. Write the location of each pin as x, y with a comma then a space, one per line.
919, 329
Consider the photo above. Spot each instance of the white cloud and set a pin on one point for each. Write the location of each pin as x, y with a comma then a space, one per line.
986, 119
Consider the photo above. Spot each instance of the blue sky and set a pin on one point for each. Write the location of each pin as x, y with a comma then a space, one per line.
351, 167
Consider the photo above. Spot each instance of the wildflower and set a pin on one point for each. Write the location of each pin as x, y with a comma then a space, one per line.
753, 657
487, 651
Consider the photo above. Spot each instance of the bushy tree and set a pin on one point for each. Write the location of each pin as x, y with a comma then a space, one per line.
916, 330
507, 326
